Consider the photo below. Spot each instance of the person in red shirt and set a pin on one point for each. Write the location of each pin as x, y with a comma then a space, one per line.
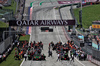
4, 56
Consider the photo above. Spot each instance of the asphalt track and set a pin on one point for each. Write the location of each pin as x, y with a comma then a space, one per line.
57, 35
46, 38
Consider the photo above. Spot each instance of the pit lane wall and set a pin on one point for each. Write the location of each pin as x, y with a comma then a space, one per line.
5, 44
95, 46
90, 58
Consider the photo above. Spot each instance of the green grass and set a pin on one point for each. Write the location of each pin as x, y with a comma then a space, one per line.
89, 14
24, 38
3, 25
10, 61
13, 6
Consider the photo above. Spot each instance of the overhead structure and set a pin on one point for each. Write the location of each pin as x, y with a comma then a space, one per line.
41, 22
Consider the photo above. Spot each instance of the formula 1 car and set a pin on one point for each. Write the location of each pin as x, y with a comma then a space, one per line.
65, 57
29, 57
39, 57
65, 49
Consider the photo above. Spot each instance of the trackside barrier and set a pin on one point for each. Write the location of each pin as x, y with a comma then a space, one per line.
96, 54
72, 13
89, 3
5, 44
23, 9
67, 5
89, 57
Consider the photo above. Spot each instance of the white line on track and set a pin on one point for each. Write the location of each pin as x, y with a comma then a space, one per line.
59, 35
54, 12
80, 62
22, 62
57, 27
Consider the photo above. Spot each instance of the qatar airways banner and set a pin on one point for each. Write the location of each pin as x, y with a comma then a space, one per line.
41, 22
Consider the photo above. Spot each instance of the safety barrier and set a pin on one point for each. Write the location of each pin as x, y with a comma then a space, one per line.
23, 9
5, 44
96, 54
72, 13
89, 57
89, 3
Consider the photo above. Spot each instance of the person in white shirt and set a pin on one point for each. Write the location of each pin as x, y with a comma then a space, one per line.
25, 56
58, 57
72, 57
18, 43
4, 56
82, 56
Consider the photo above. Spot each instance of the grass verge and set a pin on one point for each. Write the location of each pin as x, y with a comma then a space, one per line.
89, 14
10, 61
3, 25
24, 38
